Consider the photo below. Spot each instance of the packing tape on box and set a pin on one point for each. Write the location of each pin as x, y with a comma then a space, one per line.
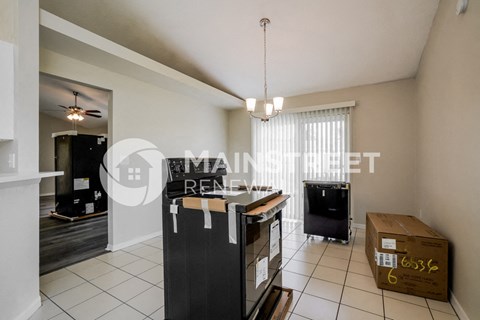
206, 214
232, 223
174, 212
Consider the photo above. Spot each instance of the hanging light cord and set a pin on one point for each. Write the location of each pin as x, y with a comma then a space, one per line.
264, 22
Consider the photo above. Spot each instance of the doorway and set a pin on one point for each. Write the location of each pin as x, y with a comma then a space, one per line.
71, 109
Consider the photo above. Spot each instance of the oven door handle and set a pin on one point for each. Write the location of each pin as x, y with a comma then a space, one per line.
265, 216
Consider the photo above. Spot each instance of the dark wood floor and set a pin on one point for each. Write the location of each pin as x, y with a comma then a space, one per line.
63, 243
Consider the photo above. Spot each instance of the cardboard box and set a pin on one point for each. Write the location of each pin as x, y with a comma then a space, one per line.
407, 256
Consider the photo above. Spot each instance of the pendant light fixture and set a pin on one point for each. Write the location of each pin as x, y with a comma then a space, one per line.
271, 109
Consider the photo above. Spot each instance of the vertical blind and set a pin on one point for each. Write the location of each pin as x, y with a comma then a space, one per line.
293, 147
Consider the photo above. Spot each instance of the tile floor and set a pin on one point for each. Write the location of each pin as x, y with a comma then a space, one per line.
331, 281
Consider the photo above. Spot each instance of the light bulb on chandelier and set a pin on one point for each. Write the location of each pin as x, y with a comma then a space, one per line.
271, 109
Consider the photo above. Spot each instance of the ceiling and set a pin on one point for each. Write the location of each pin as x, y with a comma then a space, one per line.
56, 91
313, 45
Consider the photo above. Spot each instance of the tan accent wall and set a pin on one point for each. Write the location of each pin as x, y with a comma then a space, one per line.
383, 121
449, 143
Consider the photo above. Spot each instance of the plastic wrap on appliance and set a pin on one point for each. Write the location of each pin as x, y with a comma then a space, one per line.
232, 223
174, 212
269, 209
206, 214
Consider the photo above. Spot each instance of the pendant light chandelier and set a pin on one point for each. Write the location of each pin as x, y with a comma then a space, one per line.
271, 109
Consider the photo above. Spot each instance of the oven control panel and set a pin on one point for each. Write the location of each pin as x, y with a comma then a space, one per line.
192, 168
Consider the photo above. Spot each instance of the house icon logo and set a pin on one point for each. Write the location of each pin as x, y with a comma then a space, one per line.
131, 172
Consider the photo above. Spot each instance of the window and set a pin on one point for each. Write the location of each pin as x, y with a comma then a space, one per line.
294, 147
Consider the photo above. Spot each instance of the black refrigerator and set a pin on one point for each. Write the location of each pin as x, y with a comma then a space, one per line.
79, 191
327, 209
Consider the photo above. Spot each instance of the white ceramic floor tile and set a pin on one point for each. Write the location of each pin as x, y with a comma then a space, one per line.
360, 268
399, 310
291, 244
62, 316
349, 313
133, 247
49, 277
307, 257
75, 296
123, 312
324, 289
154, 275
156, 257
157, 244
406, 298
340, 245
129, 289
149, 301
288, 253
313, 247
109, 255
43, 297
316, 308
94, 307
359, 281
359, 257
336, 263
441, 306
111, 279
337, 253
158, 315
145, 251
57, 286
294, 281
363, 300
95, 270
139, 266
152, 240
329, 274
294, 316
300, 267
121, 260
296, 237
47, 310
83, 265
437, 315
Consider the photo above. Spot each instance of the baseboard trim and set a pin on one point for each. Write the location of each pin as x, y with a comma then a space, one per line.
458, 308
47, 194
122, 245
27, 313
358, 226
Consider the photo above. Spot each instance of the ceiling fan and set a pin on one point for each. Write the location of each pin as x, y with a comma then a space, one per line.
76, 113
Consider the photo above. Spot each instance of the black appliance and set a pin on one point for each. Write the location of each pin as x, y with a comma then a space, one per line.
327, 209
207, 275
79, 191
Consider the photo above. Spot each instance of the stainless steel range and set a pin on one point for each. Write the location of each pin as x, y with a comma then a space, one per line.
222, 247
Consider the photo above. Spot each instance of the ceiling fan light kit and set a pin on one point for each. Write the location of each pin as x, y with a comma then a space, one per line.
271, 109
76, 113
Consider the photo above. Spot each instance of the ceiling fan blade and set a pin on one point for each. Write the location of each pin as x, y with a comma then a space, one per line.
93, 115
93, 111
63, 107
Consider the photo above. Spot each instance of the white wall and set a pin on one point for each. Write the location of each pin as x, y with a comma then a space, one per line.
47, 126
19, 230
449, 144
384, 121
173, 122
